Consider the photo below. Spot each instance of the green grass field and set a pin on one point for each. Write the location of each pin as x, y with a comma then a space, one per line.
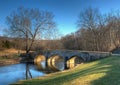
102, 72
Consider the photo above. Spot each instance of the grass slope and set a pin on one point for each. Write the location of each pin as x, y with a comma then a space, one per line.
101, 72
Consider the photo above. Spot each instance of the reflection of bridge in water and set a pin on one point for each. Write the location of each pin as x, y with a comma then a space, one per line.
60, 60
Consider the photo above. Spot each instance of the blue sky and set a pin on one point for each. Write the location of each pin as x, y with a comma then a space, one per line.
65, 11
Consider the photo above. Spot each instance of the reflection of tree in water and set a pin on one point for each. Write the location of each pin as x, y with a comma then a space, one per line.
28, 73
28, 61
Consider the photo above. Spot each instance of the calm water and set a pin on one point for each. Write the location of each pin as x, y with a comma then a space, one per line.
59, 64
13, 73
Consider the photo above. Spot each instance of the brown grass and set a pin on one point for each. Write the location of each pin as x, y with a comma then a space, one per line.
11, 51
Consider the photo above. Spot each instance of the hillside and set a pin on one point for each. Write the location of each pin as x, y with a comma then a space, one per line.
101, 72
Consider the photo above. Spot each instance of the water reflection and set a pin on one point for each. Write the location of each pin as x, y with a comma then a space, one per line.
13, 73
41, 65
52, 63
59, 64
39, 61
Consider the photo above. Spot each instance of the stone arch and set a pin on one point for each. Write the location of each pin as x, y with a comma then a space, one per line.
55, 62
39, 61
74, 61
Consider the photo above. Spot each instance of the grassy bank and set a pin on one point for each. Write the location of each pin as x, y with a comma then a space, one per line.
9, 62
9, 53
9, 56
101, 72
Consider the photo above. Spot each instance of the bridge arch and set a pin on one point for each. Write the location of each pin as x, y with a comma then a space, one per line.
39, 61
55, 62
74, 61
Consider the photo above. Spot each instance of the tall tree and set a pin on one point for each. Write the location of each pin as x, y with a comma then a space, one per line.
29, 24
92, 20
114, 28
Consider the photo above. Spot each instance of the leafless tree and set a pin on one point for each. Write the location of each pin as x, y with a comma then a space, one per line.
92, 20
29, 24
97, 32
114, 28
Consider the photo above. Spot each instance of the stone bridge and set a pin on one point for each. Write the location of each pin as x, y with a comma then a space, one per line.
62, 59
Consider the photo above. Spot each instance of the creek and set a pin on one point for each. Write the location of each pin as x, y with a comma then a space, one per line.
14, 73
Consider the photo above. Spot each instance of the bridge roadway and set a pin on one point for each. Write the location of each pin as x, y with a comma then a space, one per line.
69, 58
84, 55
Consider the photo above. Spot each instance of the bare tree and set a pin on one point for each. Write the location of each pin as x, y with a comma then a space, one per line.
93, 21
69, 41
52, 38
114, 28
29, 24
97, 32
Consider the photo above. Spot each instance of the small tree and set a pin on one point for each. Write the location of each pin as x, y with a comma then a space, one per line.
6, 44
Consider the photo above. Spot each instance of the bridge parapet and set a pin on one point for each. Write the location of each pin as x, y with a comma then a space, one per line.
98, 55
85, 55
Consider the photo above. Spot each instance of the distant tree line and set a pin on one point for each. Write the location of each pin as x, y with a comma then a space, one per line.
97, 32
18, 43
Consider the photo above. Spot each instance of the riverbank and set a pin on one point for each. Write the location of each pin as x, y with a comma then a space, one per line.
4, 62
102, 72
10, 56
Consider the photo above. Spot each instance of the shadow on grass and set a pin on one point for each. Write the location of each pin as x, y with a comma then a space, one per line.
109, 66
112, 76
